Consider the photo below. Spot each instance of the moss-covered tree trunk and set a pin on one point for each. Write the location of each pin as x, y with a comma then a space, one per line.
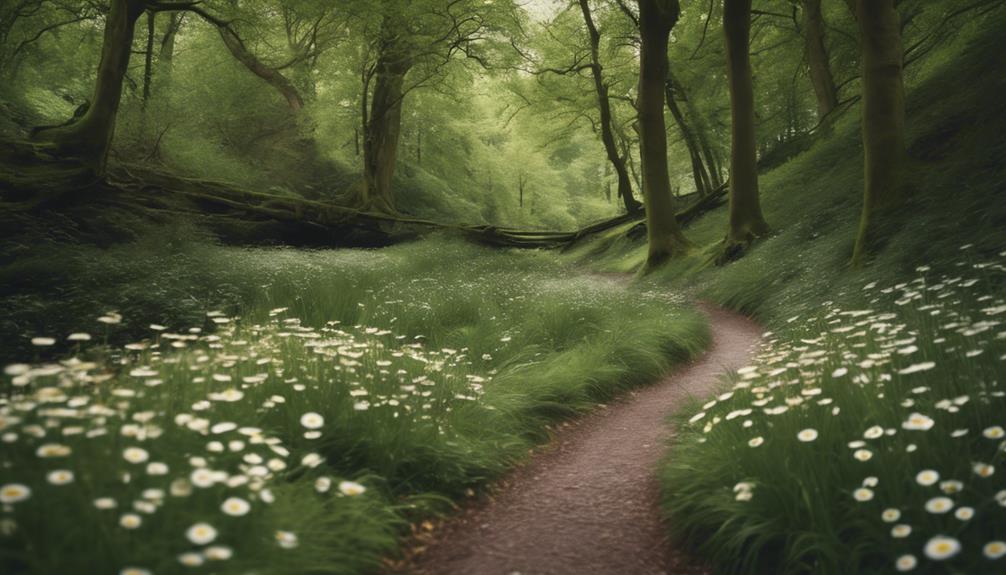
817, 58
90, 138
383, 126
604, 105
746, 220
656, 18
883, 116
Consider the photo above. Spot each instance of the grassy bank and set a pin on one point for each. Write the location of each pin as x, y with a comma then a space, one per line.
853, 354
288, 411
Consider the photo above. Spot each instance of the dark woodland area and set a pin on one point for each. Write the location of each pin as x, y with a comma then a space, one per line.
502, 286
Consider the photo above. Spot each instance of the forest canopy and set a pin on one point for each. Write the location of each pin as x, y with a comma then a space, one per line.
508, 113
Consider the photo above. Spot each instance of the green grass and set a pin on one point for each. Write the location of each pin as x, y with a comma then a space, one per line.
802, 517
931, 346
434, 367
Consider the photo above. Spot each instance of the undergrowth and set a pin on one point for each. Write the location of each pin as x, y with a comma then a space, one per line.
288, 411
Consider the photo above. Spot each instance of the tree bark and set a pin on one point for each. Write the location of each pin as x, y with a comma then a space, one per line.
604, 105
273, 77
665, 239
166, 55
699, 127
90, 138
746, 220
817, 58
148, 60
699, 173
883, 116
384, 125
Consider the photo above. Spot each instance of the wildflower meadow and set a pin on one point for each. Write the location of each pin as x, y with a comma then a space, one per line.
862, 439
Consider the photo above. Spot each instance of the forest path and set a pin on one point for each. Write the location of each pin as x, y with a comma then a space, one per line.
589, 503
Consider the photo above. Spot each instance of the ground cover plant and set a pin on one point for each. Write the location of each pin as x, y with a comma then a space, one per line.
299, 438
861, 440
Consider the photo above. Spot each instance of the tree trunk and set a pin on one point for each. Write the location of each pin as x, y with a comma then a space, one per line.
712, 159
90, 138
711, 163
699, 173
384, 126
817, 58
520, 186
604, 104
166, 55
746, 220
607, 181
883, 116
656, 18
148, 61
272, 76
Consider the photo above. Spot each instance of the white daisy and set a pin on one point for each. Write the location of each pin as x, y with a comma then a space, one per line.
862, 494
14, 492
235, 507
918, 422
135, 455
927, 477
312, 420
994, 549
807, 435
59, 477
906, 563
351, 488
942, 547
939, 505
890, 515
286, 539
201, 533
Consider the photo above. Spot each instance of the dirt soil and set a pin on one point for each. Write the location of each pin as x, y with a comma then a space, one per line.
588, 503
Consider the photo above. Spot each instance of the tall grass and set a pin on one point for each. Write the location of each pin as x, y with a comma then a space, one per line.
335, 394
858, 438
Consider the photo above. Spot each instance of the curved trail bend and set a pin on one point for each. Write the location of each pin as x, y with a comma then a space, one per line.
589, 504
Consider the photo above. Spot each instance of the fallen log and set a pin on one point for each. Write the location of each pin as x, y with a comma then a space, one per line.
266, 217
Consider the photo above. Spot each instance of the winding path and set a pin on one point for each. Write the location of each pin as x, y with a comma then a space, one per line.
589, 503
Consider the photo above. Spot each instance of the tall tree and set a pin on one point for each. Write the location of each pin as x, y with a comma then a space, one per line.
883, 116
746, 220
148, 60
89, 138
166, 55
703, 183
818, 62
382, 123
656, 19
704, 177
414, 44
604, 106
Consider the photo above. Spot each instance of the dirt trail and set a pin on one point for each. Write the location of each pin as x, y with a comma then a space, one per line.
589, 503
